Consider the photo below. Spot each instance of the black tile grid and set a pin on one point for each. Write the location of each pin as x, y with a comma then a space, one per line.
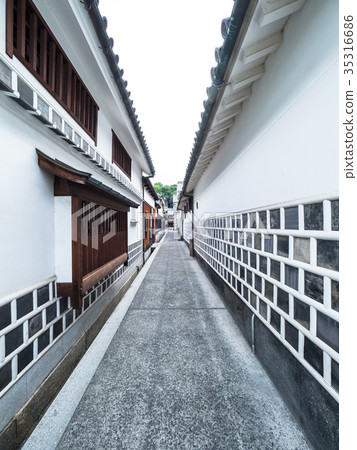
275, 320
283, 300
5, 375
24, 358
313, 355
314, 286
328, 330
283, 246
302, 313
292, 277
313, 216
275, 218
313, 283
328, 254
24, 305
292, 218
263, 308
13, 340
5, 316
335, 375
292, 335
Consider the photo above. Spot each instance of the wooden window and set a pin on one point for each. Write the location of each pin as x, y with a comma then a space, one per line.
104, 235
120, 156
31, 41
99, 228
99, 241
149, 223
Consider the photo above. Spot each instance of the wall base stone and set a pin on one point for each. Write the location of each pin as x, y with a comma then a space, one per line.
313, 407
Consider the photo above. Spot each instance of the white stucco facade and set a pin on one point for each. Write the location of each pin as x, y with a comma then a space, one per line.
37, 229
261, 195
278, 148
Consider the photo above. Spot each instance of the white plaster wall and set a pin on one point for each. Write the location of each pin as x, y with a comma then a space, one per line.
134, 228
136, 176
27, 242
63, 239
149, 199
284, 145
80, 44
27, 209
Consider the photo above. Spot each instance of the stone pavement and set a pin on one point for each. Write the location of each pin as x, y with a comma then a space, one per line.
178, 374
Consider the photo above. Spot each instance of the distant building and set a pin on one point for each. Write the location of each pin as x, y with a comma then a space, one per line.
170, 218
76, 223
259, 202
153, 221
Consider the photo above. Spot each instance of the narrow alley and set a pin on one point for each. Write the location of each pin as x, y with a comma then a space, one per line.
177, 374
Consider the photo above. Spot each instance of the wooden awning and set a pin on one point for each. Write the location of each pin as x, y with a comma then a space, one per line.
73, 182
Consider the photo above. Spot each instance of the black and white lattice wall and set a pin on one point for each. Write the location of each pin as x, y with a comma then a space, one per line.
32, 321
282, 261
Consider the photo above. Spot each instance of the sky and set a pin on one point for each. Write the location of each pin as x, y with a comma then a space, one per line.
166, 50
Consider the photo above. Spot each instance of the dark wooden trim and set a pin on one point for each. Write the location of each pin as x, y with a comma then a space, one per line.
52, 66
87, 193
121, 168
96, 195
65, 289
48, 82
70, 181
91, 279
60, 171
10, 27
69, 85
33, 40
120, 157
60, 78
62, 188
43, 55
21, 28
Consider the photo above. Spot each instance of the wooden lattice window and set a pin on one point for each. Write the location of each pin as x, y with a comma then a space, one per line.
104, 235
120, 155
31, 41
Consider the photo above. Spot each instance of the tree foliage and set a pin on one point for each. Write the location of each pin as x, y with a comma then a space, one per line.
166, 191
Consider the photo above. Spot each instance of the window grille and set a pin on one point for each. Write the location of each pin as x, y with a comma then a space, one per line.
31, 41
120, 155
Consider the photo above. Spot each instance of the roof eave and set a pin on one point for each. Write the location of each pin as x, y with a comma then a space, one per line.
99, 24
241, 11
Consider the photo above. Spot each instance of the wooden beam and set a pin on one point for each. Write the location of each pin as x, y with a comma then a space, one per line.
33, 41
52, 66
65, 289
60, 171
9, 28
92, 278
43, 54
59, 75
68, 99
21, 27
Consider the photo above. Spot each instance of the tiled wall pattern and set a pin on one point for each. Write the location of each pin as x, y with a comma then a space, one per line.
31, 324
283, 263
